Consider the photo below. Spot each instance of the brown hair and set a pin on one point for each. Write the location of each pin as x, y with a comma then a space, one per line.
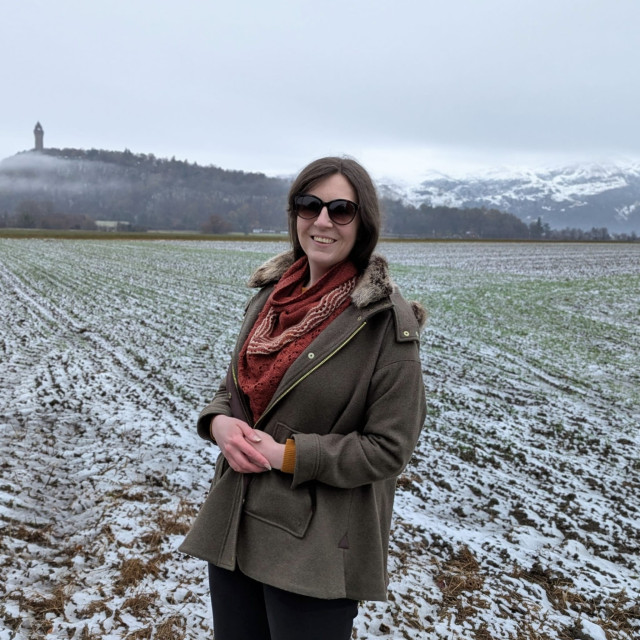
368, 209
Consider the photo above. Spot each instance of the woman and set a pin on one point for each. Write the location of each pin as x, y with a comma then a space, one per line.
319, 414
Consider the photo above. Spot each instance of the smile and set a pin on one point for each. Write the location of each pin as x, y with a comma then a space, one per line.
323, 240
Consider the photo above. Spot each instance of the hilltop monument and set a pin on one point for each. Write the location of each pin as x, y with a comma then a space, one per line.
38, 132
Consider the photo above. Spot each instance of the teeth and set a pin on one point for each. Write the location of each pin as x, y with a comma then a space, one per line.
323, 240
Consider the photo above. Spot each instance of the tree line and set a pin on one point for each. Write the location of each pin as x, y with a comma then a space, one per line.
440, 222
75, 188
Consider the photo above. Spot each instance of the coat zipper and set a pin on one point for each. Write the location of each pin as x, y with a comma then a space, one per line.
306, 375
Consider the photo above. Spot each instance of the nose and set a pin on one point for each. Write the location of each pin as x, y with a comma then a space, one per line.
323, 218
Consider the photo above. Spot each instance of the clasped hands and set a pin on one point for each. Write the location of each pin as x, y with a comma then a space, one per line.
246, 450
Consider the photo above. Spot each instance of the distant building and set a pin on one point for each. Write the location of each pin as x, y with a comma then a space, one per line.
112, 225
38, 132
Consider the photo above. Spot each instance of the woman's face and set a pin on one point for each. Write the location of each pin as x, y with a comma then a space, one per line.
324, 242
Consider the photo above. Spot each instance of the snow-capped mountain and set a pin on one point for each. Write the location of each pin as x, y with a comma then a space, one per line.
578, 196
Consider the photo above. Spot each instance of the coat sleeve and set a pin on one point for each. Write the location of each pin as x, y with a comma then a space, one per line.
219, 405
381, 447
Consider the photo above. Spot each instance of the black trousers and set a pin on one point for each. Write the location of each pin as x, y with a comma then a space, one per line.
244, 609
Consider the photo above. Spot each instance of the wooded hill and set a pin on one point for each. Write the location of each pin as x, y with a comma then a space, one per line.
74, 188
138, 189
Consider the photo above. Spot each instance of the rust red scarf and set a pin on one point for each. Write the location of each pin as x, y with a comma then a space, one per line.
290, 320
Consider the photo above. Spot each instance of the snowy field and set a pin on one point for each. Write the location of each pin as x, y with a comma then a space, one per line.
518, 517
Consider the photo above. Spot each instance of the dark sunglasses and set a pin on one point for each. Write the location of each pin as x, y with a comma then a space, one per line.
340, 211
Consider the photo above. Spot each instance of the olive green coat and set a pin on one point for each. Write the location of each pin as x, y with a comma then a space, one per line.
354, 402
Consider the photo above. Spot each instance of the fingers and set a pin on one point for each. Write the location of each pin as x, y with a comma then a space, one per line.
247, 462
240, 452
248, 459
236, 440
250, 434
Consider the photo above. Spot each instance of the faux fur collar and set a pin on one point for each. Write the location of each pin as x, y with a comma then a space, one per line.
374, 285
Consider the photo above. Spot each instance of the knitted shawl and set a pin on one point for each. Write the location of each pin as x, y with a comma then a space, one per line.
290, 320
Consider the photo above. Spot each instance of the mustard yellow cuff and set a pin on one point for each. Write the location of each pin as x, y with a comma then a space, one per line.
289, 460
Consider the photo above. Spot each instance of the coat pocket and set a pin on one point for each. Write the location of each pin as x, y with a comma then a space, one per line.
271, 499
281, 432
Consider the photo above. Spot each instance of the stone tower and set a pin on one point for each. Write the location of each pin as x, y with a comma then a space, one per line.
38, 132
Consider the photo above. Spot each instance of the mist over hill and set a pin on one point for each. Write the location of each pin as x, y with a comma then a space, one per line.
139, 189
74, 188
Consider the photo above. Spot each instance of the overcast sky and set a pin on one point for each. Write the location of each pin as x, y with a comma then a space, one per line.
405, 86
